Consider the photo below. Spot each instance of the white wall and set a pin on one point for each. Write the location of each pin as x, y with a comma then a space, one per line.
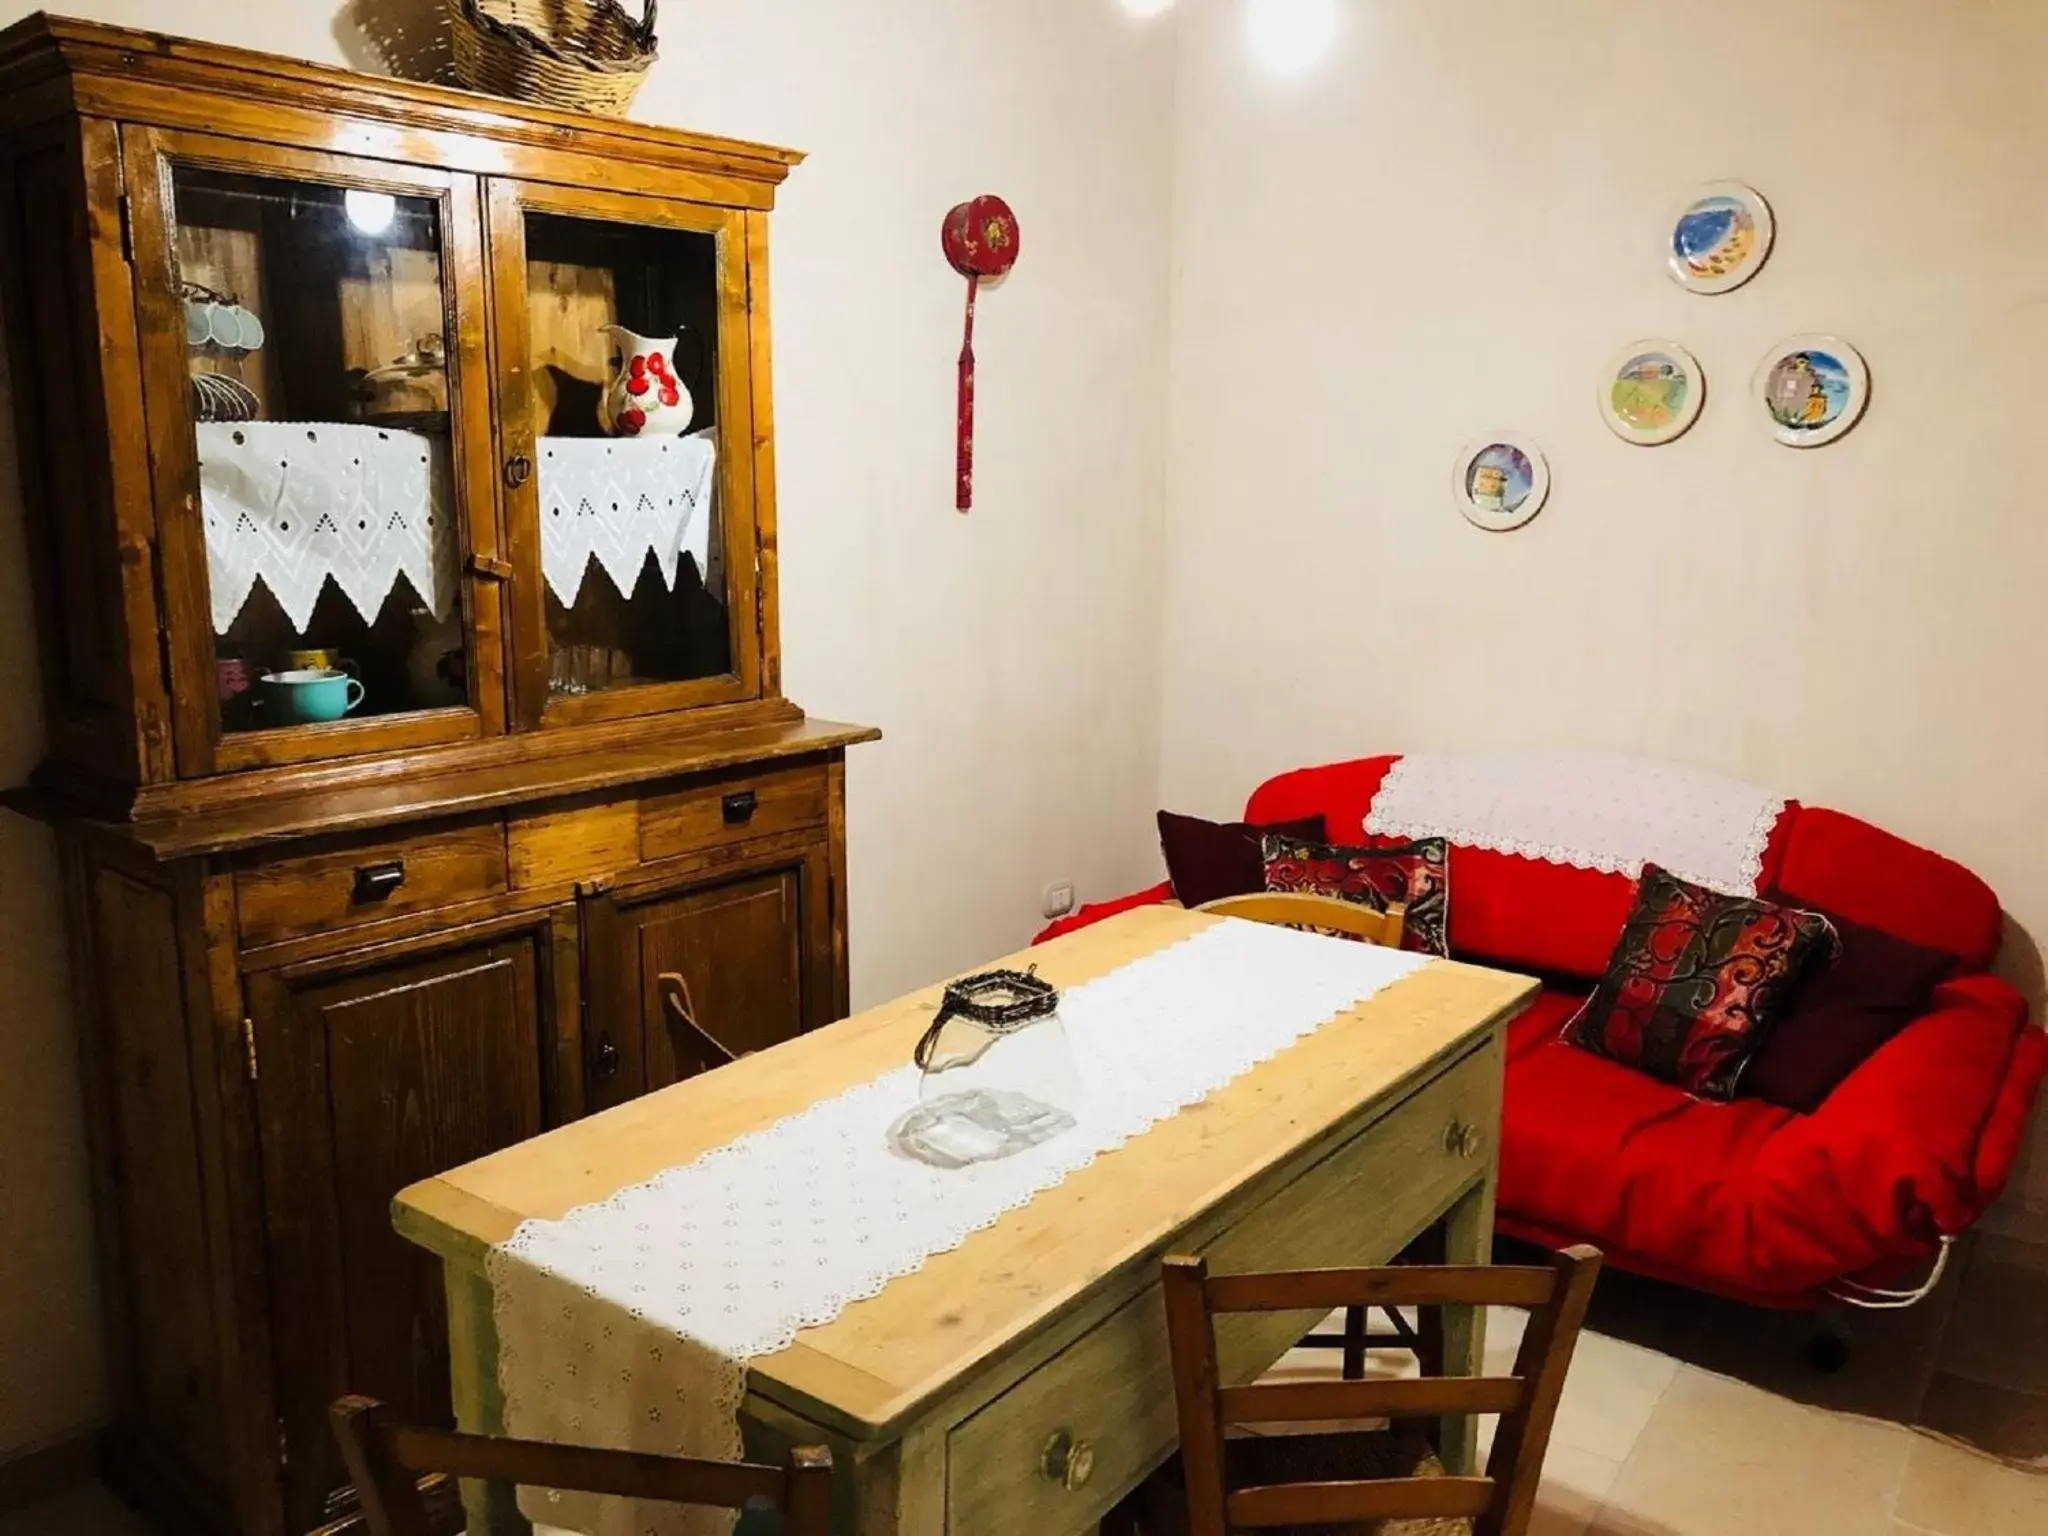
1446, 229
1011, 656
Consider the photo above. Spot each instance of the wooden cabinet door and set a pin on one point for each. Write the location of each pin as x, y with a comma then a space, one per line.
373, 1072
642, 570
752, 949
315, 371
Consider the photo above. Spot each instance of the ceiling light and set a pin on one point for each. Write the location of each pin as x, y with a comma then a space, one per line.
370, 212
1287, 36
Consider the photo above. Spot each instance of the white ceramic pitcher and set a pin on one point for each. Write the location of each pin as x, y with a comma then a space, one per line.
642, 397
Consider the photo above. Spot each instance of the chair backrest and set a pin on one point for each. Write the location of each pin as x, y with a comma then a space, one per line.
1302, 909
1498, 1503
385, 1459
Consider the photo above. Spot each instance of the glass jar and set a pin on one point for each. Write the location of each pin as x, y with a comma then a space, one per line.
998, 1075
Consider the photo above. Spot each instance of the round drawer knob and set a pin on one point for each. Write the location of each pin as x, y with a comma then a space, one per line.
1066, 1460
1461, 1140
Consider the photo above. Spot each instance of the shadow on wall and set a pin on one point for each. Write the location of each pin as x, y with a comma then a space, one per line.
48, 1309
407, 38
2024, 1210
2019, 962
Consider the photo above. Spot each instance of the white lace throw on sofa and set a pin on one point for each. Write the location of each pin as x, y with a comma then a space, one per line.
1593, 810
630, 1323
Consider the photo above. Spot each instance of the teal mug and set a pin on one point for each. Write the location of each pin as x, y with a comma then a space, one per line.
307, 697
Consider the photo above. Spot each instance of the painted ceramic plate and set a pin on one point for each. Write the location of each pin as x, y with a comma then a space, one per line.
1812, 389
1721, 238
1501, 481
1651, 392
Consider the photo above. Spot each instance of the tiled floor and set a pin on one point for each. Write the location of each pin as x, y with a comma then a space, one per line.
1683, 1417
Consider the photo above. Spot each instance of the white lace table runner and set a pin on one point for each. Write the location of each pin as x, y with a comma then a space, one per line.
630, 1323
613, 500
1593, 810
293, 503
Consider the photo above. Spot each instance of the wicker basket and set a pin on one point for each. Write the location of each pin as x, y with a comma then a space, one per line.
585, 54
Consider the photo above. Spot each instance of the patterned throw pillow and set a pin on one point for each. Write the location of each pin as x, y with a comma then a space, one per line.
1696, 982
1417, 873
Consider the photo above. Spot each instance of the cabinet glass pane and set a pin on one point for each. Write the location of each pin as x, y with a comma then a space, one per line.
623, 325
316, 332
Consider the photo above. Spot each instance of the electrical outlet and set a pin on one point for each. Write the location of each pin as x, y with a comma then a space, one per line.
1059, 899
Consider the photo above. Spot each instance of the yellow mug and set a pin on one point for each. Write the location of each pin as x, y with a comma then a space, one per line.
317, 660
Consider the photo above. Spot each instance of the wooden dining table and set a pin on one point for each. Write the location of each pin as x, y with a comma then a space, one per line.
1019, 1385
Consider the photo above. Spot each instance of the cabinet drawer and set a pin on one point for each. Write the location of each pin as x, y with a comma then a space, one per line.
1111, 1391
731, 808
337, 886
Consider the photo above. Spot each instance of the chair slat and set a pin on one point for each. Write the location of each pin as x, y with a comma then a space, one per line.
1405, 1285
383, 1455
624, 1474
1338, 1503
1279, 1402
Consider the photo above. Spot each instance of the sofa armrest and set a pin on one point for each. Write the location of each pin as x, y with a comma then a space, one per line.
1096, 911
1917, 1142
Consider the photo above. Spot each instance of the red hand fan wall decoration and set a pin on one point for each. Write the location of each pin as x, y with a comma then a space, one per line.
981, 240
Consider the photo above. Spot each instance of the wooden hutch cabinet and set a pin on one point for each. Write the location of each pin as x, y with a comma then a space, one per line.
417, 745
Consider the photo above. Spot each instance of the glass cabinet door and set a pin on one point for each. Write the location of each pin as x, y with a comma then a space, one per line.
625, 419
306, 358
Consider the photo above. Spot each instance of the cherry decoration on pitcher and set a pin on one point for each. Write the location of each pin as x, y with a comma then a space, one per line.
981, 239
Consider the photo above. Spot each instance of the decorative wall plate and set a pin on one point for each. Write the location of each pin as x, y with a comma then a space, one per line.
1502, 481
1721, 237
1651, 392
1813, 389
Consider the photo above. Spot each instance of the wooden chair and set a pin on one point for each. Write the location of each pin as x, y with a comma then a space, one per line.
1328, 914
385, 1458
1294, 909
1346, 1482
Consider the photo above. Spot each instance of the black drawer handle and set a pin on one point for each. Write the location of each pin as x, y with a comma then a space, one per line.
605, 1065
377, 882
740, 808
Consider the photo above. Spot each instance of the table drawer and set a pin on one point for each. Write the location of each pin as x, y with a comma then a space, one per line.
1363, 1203
731, 808
1110, 1392
340, 885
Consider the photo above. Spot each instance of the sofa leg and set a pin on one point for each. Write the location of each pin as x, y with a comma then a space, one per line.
1827, 1348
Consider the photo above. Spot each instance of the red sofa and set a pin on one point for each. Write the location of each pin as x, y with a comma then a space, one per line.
1747, 1200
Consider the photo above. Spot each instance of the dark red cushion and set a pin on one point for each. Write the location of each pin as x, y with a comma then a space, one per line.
1208, 860
1876, 987
1417, 874
1696, 981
